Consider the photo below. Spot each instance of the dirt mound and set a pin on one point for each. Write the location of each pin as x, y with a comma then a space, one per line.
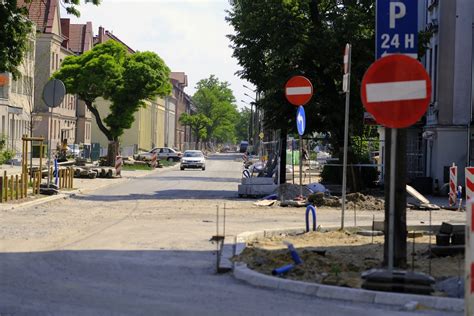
357, 200
366, 202
288, 191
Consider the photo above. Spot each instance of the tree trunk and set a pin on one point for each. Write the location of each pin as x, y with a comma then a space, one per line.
400, 225
112, 152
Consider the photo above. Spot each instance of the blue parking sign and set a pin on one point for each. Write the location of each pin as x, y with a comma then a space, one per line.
300, 120
397, 28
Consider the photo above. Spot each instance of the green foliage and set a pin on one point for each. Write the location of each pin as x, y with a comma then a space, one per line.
13, 36
136, 167
71, 8
198, 123
16, 28
275, 40
107, 71
214, 100
243, 124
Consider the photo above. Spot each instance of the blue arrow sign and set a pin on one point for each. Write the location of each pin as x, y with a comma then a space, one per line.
397, 28
300, 120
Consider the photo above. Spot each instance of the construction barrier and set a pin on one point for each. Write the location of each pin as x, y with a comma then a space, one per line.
469, 261
245, 157
453, 184
469, 183
118, 166
154, 160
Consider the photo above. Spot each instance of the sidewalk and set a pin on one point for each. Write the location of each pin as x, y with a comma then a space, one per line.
81, 185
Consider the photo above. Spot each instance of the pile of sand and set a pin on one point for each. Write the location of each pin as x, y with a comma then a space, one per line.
354, 200
347, 256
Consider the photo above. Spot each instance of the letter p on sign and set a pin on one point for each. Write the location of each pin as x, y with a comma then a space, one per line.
397, 11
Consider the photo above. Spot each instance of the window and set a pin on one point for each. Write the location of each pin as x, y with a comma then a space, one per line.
57, 61
3, 124
52, 61
19, 85
2, 92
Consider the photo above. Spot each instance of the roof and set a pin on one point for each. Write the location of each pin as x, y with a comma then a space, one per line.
80, 37
105, 35
180, 77
41, 12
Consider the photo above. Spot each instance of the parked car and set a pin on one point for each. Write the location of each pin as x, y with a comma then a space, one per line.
193, 159
243, 146
163, 153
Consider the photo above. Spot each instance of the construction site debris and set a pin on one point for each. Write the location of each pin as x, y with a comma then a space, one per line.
354, 200
288, 191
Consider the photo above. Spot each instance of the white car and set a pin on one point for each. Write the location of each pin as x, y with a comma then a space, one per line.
193, 159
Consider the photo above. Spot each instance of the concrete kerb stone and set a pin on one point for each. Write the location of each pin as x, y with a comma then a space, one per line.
242, 272
73, 193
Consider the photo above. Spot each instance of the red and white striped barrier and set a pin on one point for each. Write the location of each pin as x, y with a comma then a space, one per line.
453, 184
469, 260
469, 183
118, 165
154, 159
245, 157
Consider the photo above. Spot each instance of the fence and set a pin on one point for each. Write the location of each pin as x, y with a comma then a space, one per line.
17, 186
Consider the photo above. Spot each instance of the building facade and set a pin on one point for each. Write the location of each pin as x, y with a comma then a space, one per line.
447, 133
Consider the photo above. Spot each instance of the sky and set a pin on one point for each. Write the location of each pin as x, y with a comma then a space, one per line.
189, 35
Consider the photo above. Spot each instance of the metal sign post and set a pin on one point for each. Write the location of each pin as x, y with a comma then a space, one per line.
301, 125
53, 94
347, 90
391, 201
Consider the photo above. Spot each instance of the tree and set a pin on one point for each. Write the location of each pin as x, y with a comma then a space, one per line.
214, 99
275, 40
13, 36
198, 124
15, 30
108, 71
243, 124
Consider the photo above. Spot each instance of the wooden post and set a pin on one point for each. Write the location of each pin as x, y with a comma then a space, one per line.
61, 178
72, 177
16, 187
20, 185
25, 185
11, 187
41, 156
34, 184
5, 185
38, 183
69, 177
66, 178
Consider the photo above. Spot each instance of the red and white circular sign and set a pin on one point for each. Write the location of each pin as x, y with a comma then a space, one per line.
396, 90
298, 90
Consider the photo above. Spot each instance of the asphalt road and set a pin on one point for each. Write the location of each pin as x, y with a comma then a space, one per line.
141, 248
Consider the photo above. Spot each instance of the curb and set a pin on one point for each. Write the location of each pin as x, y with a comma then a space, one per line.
73, 193
243, 273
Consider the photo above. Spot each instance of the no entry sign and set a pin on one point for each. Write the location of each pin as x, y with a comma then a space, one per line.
396, 90
298, 90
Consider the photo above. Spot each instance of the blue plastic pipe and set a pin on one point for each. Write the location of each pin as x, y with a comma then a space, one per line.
313, 211
294, 255
283, 270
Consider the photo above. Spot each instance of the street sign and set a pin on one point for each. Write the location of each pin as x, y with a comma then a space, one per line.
300, 120
298, 90
396, 90
397, 28
53, 93
346, 58
261, 135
